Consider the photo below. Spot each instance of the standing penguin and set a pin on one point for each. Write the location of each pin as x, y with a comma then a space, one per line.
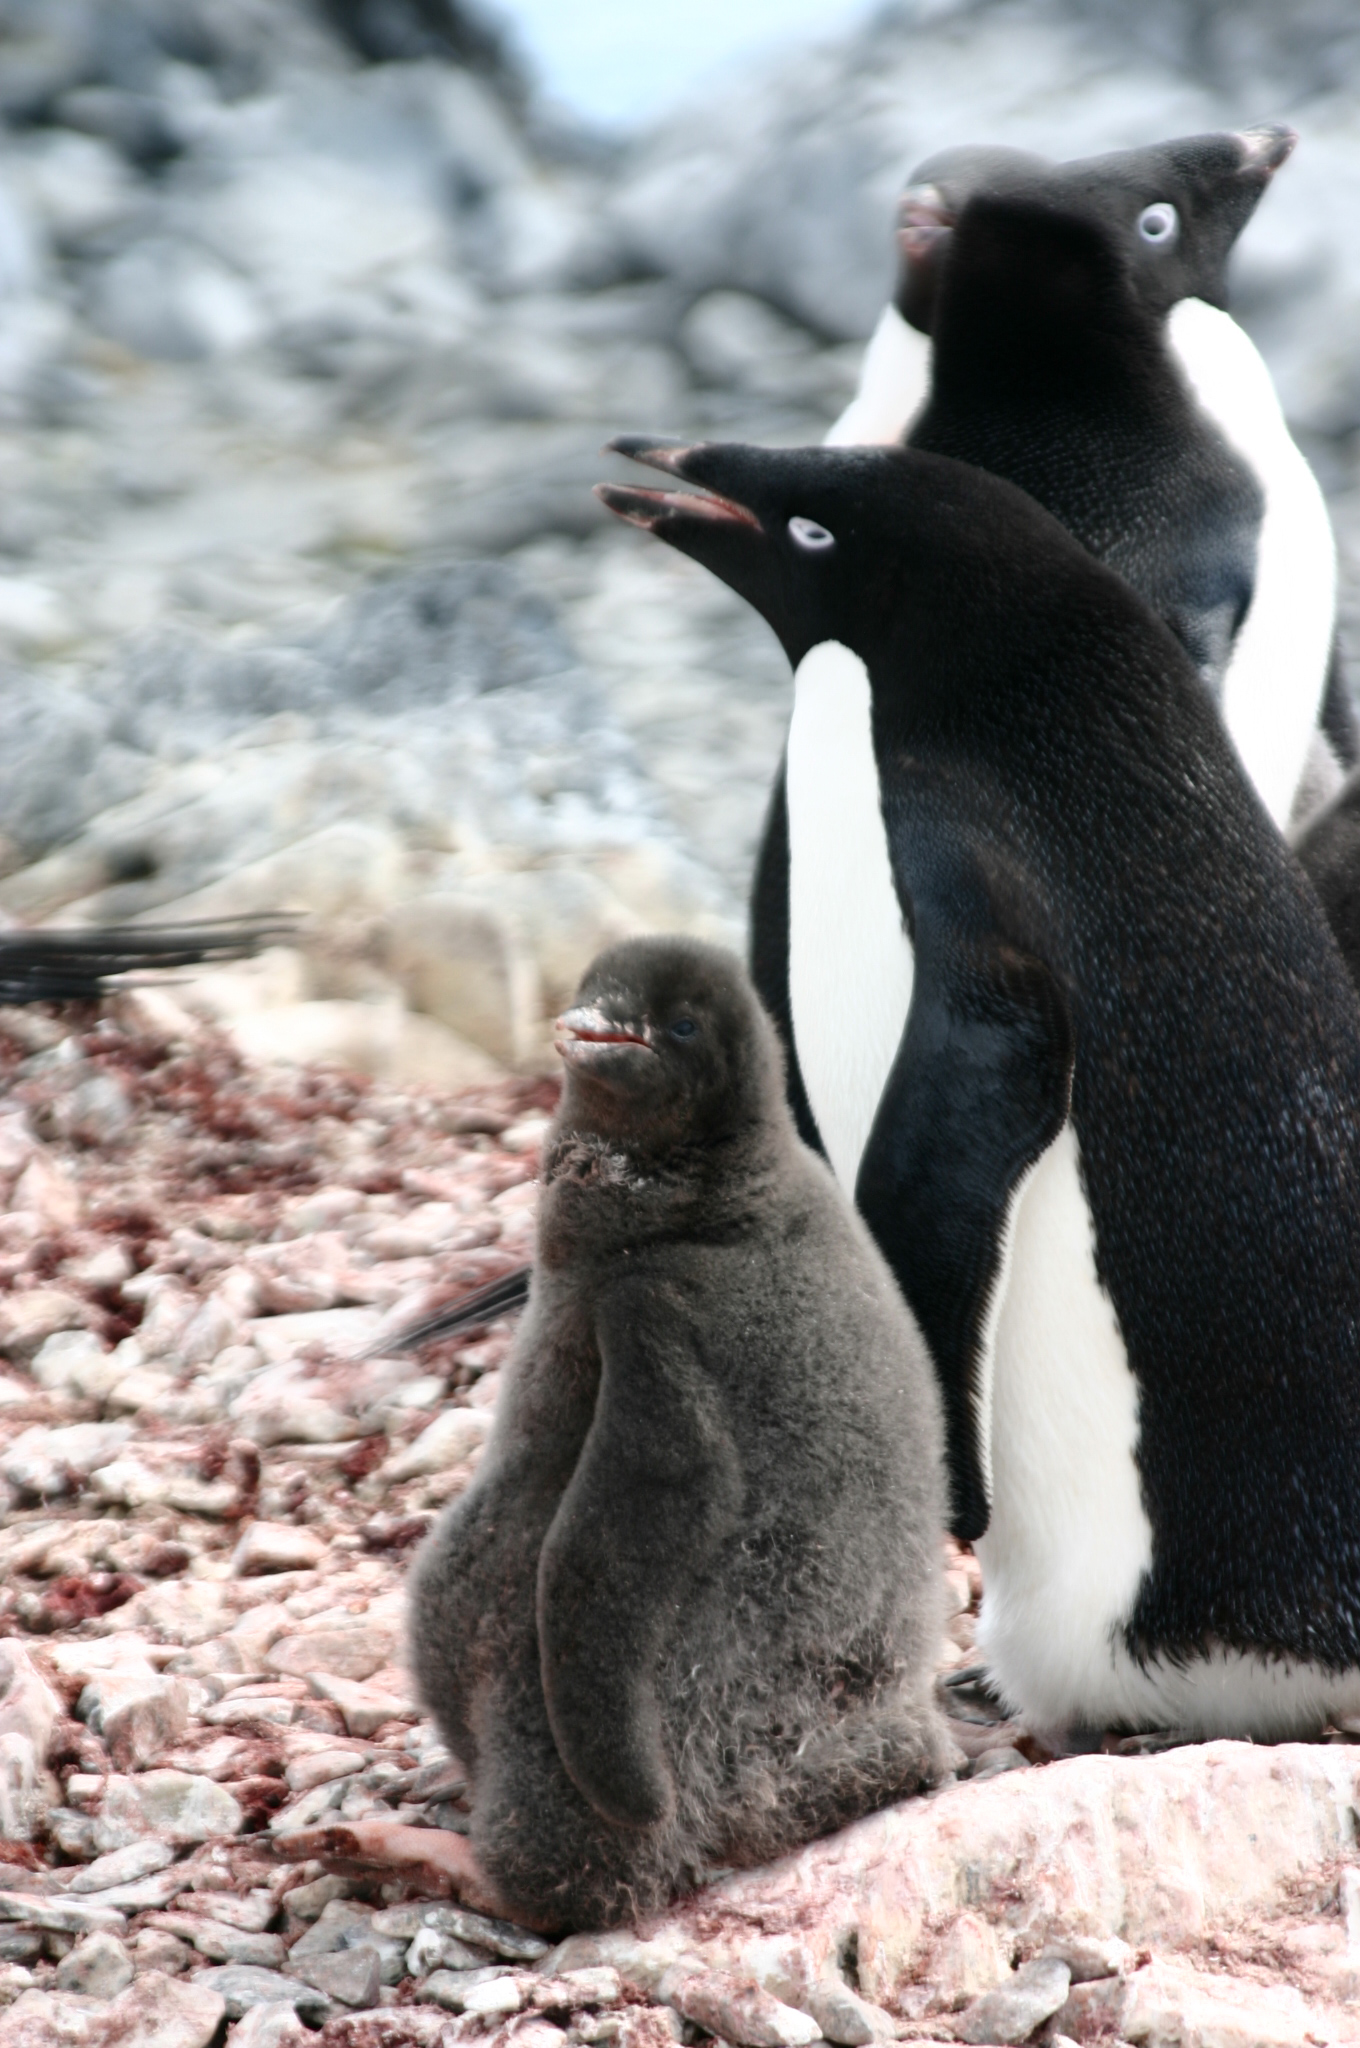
1111, 1158
686, 1613
1134, 408
1080, 350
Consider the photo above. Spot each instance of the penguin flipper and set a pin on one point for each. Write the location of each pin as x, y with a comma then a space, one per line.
979, 1090
655, 1492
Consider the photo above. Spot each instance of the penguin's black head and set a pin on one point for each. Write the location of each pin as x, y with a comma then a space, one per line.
1167, 216
898, 554
795, 531
666, 1046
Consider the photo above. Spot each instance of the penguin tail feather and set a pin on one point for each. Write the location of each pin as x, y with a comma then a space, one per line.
51, 966
503, 1297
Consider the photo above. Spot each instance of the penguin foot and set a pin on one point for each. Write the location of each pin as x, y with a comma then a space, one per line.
432, 1859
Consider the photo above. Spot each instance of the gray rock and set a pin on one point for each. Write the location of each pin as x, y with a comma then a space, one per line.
391, 1958
1016, 2010
145, 1895
337, 1919
99, 1966
135, 123
155, 2012
72, 1831
224, 1944
44, 1462
453, 1988
846, 2018
424, 701
122, 1866
61, 1916
25, 1792
270, 2026
308, 1901
431, 1950
242, 1985
97, 1112
157, 1950
1091, 1957
137, 1715
177, 1806
499, 1937
351, 1976
736, 2010
75, 1362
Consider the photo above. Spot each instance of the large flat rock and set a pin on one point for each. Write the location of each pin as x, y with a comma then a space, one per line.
1157, 1850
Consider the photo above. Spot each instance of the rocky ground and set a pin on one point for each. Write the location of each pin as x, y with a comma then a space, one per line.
313, 319
220, 1803
312, 322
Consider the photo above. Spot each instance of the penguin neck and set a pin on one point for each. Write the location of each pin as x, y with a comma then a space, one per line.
621, 1188
990, 352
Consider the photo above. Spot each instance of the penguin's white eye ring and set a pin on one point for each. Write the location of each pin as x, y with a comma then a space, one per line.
1159, 224
806, 533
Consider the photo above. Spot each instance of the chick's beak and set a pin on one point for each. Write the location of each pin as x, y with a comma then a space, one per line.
580, 1035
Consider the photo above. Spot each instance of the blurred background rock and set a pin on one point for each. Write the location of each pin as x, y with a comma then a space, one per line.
313, 317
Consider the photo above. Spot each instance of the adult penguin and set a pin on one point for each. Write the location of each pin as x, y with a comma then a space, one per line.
1236, 555
1082, 349
1112, 1158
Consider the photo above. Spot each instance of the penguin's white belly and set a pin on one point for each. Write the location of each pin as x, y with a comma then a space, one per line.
1278, 671
894, 383
1069, 1540
850, 960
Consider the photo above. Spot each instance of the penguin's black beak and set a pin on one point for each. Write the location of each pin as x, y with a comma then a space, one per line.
734, 521
668, 513
1265, 149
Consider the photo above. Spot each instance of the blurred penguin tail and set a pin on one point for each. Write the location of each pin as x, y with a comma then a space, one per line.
503, 1297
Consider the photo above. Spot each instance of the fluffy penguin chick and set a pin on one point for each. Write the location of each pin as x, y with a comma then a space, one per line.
686, 1613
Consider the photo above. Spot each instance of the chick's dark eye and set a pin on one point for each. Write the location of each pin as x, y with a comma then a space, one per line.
1159, 224
683, 1027
807, 534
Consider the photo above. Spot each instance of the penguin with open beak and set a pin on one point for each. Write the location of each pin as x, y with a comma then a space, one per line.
1071, 1026
687, 1612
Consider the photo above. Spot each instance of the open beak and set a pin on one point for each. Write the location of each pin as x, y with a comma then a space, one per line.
659, 511
1265, 149
922, 218
581, 1035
